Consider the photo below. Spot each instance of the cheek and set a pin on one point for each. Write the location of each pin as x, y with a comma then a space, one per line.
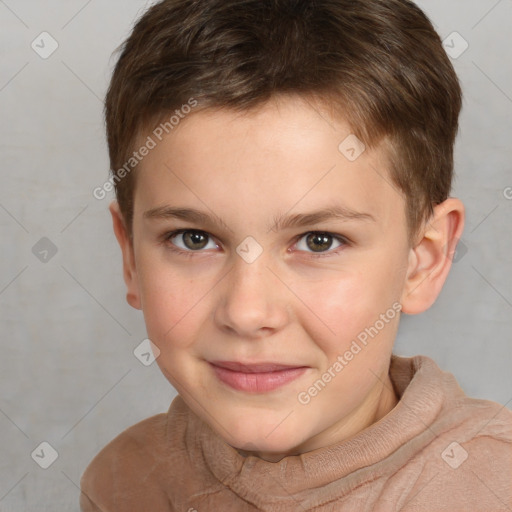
340, 307
169, 301
335, 296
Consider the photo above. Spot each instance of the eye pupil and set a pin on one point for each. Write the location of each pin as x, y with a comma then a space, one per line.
195, 239
319, 242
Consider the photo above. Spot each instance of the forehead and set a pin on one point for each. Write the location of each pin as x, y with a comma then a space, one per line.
285, 156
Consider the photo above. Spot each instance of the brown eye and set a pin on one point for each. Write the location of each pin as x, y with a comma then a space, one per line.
195, 240
191, 240
318, 242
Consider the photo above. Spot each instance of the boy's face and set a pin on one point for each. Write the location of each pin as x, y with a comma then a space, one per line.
209, 295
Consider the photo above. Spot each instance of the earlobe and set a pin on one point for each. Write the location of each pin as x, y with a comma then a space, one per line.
431, 259
129, 268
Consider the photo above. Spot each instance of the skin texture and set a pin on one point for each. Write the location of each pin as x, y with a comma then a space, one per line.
287, 306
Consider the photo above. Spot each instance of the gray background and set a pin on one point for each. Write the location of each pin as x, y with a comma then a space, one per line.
67, 371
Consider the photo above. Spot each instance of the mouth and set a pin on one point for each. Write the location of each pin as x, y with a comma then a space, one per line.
256, 378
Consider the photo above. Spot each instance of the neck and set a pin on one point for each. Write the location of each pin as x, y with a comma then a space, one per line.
379, 402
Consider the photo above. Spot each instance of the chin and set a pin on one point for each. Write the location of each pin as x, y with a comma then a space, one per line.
273, 446
264, 451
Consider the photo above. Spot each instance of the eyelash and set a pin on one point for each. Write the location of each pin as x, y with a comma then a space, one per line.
341, 239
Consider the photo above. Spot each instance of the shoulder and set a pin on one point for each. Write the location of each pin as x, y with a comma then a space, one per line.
475, 435
127, 469
462, 457
479, 423
484, 431
468, 463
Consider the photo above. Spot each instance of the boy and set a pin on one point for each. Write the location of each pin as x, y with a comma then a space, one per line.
282, 172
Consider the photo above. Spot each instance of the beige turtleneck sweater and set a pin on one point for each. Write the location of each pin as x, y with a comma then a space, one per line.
437, 450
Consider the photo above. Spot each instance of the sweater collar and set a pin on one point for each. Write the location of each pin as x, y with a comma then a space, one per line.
327, 473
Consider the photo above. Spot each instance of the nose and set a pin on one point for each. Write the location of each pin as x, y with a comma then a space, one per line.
252, 302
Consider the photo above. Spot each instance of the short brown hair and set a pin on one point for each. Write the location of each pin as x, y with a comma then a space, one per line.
379, 63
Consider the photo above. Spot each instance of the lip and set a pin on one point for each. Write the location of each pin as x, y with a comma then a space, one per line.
257, 377
254, 367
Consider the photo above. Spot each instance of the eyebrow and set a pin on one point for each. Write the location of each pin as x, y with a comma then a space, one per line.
336, 212
281, 222
187, 214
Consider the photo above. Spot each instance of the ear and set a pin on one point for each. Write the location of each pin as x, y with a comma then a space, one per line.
126, 244
431, 259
